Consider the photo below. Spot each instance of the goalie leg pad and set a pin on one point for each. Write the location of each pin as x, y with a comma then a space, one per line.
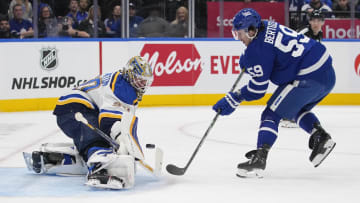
110, 170
57, 158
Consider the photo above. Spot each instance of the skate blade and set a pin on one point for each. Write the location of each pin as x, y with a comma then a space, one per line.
256, 173
112, 184
318, 159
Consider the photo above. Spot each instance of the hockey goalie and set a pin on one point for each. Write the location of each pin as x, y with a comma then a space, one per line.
108, 104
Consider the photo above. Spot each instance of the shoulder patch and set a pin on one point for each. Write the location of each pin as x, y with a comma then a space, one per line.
123, 90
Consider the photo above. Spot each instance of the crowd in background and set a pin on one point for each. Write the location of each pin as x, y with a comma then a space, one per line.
164, 18
75, 18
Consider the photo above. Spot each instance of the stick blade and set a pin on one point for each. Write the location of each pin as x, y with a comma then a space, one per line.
174, 170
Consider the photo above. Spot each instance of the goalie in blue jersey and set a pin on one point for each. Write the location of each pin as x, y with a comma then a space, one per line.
301, 68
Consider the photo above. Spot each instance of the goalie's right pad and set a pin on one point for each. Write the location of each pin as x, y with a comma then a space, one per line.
56, 158
125, 134
110, 170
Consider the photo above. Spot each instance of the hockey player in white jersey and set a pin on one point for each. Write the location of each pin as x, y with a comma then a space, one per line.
301, 68
108, 102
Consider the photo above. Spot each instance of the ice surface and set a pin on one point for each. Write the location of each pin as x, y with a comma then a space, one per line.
289, 177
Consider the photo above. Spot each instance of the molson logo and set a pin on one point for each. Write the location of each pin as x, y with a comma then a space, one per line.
357, 65
173, 64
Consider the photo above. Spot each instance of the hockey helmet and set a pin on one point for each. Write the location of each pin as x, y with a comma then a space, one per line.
139, 73
246, 18
317, 14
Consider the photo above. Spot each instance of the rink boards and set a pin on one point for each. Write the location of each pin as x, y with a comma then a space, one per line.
187, 72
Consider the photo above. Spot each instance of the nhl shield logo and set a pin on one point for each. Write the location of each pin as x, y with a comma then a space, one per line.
48, 59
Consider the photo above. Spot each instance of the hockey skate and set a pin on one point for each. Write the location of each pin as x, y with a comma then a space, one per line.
256, 165
99, 177
110, 171
321, 144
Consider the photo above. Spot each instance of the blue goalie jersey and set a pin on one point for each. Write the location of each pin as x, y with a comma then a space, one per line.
280, 55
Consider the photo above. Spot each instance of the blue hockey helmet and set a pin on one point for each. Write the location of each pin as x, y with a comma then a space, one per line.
246, 18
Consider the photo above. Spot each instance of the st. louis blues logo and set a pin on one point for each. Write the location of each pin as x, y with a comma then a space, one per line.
48, 59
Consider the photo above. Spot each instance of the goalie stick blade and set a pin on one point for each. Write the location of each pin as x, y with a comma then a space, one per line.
174, 170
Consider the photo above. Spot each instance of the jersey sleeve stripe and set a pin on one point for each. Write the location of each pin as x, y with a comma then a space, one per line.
268, 129
114, 81
109, 114
255, 91
259, 83
75, 98
316, 66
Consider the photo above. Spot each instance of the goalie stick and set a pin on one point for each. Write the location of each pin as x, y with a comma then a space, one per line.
155, 171
174, 170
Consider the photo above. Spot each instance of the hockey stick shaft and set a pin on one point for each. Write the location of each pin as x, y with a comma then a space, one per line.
180, 171
79, 117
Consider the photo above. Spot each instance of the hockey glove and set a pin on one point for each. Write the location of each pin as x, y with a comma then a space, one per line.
228, 104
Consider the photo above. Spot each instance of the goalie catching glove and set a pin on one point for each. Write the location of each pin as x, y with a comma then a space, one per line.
228, 104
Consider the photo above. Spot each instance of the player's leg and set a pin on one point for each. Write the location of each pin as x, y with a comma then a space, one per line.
83, 137
63, 158
106, 169
296, 101
267, 135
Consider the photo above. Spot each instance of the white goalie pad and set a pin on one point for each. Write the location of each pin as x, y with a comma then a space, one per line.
76, 167
120, 166
124, 132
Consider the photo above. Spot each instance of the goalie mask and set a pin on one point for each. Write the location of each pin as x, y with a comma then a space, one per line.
139, 74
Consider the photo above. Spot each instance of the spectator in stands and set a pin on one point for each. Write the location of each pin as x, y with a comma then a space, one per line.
317, 5
134, 20
83, 11
327, 2
295, 5
4, 27
88, 24
4, 7
154, 25
113, 23
26, 7
48, 26
341, 9
179, 27
171, 8
295, 13
74, 12
19, 26
66, 29
357, 10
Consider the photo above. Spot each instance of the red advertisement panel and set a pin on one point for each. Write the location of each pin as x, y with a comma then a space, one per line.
174, 64
340, 29
267, 10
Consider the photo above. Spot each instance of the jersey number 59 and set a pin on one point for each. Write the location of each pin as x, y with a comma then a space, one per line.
291, 43
255, 71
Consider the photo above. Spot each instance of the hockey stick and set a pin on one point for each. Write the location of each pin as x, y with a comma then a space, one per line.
79, 117
174, 170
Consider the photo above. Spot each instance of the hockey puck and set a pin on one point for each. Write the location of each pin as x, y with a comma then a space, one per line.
150, 146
